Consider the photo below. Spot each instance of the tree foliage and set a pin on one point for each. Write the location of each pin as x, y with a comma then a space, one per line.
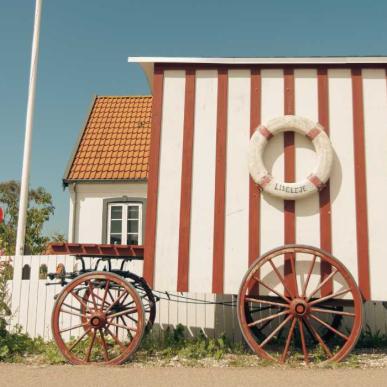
40, 208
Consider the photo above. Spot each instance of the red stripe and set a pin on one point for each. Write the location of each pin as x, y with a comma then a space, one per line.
220, 184
289, 159
254, 190
360, 184
254, 193
324, 195
153, 177
186, 183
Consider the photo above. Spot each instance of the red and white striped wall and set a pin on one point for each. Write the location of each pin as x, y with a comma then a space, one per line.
206, 219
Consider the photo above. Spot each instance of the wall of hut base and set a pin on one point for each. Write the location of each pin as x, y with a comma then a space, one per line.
32, 302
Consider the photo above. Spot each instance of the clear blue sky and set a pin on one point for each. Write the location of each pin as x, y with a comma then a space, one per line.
85, 44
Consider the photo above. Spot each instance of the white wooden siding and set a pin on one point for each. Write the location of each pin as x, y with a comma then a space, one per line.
168, 206
375, 130
237, 180
203, 175
272, 216
342, 178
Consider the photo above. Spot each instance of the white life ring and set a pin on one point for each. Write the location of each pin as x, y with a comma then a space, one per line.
290, 191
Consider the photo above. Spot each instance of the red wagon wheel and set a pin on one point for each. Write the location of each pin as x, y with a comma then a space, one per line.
88, 332
145, 293
286, 309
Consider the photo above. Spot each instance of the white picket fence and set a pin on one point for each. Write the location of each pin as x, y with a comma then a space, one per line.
32, 302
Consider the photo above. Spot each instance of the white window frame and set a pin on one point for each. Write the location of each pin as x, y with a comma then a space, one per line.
124, 220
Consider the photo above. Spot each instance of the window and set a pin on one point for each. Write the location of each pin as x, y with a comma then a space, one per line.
125, 223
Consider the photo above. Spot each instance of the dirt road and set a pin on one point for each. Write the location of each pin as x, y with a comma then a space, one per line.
57, 376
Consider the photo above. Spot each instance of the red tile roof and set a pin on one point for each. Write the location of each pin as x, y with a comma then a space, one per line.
114, 144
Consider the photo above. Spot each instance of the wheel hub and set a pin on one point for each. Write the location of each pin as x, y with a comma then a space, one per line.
299, 307
98, 320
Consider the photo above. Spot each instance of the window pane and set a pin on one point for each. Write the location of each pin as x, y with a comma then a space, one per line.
132, 239
115, 239
115, 226
132, 226
132, 212
116, 212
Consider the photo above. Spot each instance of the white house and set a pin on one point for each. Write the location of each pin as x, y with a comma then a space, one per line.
107, 172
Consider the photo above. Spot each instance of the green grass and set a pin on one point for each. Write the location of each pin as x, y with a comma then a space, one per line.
173, 346
173, 342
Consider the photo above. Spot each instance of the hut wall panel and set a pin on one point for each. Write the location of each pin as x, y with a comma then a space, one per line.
272, 218
342, 178
306, 105
237, 180
168, 206
203, 182
306, 210
375, 131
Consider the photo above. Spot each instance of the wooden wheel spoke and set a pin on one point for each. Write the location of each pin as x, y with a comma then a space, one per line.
258, 301
322, 283
91, 346
272, 290
293, 266
101, 299
121, 326
333, 311
104, 346
330, 296
91, 290
116, 339
130, 318
79, 339
115, 302
318, 338
342, 335
126, 305
272, 317
110, 295
288, 340
72, 307
260, 309
124, 312
74, 327
124, 322
280, 278
303, 343
310, 271
79, 299
272, 334
105, 292
72, 313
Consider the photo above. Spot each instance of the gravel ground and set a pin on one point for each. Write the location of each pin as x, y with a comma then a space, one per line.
24, 375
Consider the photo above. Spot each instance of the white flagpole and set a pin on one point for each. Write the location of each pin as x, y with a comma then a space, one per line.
23, 203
